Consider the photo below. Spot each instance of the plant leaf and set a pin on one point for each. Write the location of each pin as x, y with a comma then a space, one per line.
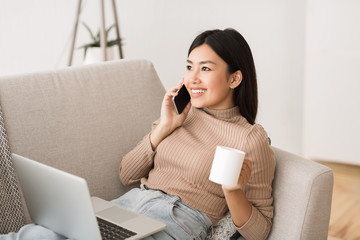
109, 28
96, 39
113, 42
90, 32
85, 51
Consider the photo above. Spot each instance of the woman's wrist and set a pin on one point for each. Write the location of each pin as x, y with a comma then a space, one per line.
239, 206
157, 135
228, 190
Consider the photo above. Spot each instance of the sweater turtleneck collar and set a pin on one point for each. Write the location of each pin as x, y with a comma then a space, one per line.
223, 113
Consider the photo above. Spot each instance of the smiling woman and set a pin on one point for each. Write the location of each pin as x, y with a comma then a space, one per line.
176, 156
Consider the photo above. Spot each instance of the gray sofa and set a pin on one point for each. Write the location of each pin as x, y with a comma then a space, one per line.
84, 119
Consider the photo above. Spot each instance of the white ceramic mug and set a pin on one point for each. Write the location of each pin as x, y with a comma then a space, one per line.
226, 166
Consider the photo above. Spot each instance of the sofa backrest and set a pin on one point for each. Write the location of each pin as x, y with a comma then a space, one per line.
302, 191
81, 119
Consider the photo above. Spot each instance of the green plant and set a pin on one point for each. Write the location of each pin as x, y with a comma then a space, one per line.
96, 39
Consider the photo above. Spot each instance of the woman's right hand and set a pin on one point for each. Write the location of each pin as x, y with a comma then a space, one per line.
169, 119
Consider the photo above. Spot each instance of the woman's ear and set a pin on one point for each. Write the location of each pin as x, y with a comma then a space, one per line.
236, 79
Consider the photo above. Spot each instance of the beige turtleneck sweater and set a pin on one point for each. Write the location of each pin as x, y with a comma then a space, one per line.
182, 161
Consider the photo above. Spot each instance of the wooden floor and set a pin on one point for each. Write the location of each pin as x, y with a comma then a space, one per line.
345, 209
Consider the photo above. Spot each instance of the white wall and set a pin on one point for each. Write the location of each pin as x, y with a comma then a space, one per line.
331, 96
35, 35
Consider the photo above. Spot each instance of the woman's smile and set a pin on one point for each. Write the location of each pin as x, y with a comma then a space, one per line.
197, 92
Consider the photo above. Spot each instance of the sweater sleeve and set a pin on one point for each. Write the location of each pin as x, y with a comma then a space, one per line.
138, 162
259, 188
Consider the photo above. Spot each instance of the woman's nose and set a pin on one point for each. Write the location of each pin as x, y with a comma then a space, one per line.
194, 77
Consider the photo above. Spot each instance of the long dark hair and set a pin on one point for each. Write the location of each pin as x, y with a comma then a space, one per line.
231, 46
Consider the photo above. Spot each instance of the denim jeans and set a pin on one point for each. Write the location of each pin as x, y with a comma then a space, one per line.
32, 232
183, 222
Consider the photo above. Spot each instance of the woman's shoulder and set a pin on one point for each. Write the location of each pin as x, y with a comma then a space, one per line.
258, 129
258, 136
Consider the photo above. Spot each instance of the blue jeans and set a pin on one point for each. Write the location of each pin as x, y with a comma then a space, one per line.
183, 222
32, 232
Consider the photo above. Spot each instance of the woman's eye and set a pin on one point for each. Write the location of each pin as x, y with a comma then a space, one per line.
188, 67
205, 69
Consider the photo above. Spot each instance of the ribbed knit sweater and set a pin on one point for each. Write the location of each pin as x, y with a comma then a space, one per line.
181, 164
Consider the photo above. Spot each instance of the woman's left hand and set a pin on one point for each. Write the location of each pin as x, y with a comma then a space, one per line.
245, 175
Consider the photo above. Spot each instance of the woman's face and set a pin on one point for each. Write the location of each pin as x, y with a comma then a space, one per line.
207, 79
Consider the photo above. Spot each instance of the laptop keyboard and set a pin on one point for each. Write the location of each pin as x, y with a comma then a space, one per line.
111, 231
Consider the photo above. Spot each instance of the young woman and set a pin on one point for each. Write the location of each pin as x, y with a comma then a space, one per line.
173, 161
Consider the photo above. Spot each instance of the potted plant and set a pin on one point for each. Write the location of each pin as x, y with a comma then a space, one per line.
92, 50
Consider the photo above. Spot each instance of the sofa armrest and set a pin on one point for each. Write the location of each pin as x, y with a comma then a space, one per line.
302, 191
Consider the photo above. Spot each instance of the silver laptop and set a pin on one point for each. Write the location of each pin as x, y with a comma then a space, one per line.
61, 202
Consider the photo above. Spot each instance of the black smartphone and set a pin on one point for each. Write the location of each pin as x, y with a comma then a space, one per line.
182, 99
